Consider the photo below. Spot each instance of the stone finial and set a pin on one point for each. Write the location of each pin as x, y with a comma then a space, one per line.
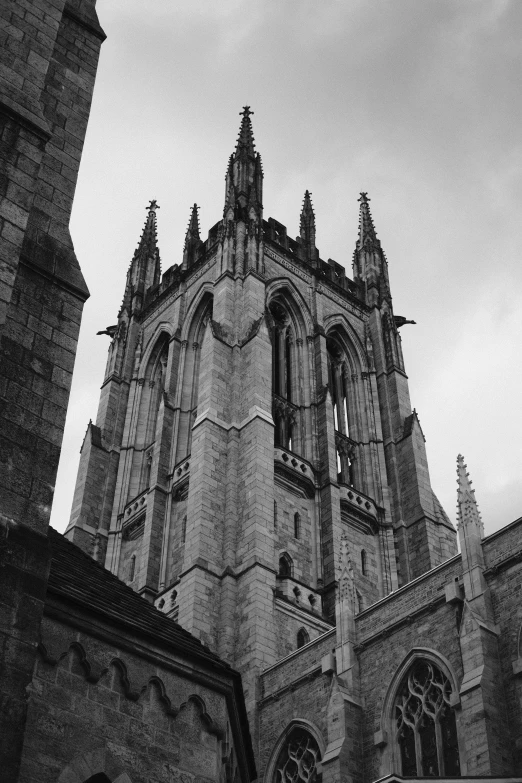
244, 177
468, 513
245, 140
307, 228
193, 226
148, 243
367, 234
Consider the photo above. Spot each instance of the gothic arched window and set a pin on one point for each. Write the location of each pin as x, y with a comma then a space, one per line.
425, 723
285, 565
284, 375
338, 375
337, 381
297, 525
302, 637
132, 568
363, 562
298, 759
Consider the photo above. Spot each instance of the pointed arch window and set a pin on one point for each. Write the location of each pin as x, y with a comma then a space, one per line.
425, 723
303, 637
337, 381
284, 369
286, 565
364, 565
299, 758
297, 525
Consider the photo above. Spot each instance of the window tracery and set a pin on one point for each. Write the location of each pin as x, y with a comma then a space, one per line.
339, 374
298, 759
284, 375
425, 723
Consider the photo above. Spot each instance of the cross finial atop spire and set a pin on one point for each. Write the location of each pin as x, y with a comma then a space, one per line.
148, 240
367, 233
245, 140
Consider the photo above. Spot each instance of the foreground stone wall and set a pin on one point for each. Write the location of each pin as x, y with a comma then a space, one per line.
91, 699
48, 59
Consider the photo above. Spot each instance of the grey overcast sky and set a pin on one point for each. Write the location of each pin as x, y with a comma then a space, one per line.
417, 102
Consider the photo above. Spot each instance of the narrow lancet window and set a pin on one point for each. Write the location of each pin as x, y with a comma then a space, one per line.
297, 525
285, 565
302, 638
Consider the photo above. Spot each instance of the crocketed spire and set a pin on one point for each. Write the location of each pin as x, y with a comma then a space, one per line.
244, 178
148, 243
145, 267
192, 238
468, 513
367, 234
307, 229
245, 140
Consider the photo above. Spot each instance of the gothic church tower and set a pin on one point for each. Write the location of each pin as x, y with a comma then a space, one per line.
254, 414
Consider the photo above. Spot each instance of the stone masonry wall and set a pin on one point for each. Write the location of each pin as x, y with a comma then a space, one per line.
293, 688
88, 695
48, 59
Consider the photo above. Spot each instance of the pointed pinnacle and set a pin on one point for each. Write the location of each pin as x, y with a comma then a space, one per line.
148, 239
367, 233
245, 140
467, 508
307, 211
193, 226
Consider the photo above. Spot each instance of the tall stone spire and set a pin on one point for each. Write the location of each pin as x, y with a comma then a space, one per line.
367, 234
241, 232
307, 230
244, 179
145, 267
369, 261
245, 140
471, 532
468, 513
192, 239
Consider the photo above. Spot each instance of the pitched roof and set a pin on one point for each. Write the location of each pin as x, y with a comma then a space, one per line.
78, 578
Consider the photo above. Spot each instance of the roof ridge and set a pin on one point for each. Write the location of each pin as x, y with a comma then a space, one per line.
61, 540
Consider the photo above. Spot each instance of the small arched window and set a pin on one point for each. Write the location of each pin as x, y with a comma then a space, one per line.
132, 568
285, 565
184, 529
302, 637
425, 723
297, 525
275, 514
363, 562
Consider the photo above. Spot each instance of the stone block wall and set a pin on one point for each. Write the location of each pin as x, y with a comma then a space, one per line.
48, 58
153, 722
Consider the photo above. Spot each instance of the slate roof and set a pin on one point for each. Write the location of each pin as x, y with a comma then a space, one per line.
78, 578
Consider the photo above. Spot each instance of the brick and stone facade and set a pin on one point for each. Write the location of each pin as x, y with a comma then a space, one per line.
257, 472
